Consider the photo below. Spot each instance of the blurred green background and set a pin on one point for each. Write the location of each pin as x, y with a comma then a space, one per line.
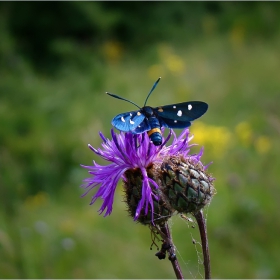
56, 62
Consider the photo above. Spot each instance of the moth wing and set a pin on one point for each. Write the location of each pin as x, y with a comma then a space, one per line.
129, 121
142, 127
182, 112
174, 123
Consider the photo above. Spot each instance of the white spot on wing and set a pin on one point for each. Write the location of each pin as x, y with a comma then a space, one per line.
130, 114
174, 107
189, 107
123, 120
175, 121
179, 113
131, 122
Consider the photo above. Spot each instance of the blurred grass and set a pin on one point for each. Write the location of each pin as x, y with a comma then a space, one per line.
48, 231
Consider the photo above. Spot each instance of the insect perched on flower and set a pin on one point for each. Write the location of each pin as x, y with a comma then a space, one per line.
152, 119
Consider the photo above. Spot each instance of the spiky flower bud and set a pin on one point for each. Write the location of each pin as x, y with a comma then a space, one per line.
186, 184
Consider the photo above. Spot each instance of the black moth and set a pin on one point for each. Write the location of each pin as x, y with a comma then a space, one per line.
152, 119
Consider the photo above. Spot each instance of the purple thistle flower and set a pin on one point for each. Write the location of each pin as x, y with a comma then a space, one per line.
128, 151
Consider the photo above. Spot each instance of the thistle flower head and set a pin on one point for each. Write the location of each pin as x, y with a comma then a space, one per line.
141, 165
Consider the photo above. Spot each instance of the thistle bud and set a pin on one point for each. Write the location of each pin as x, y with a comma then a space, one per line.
186, 185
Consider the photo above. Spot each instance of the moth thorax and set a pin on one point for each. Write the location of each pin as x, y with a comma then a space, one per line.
148, 111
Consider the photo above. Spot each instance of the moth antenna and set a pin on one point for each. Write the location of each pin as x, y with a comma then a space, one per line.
121, 98
152, 89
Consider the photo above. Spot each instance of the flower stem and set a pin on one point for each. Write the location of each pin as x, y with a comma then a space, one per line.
165, 234
204, 241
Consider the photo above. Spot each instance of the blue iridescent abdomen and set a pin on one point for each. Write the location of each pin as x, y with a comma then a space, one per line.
155, 132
